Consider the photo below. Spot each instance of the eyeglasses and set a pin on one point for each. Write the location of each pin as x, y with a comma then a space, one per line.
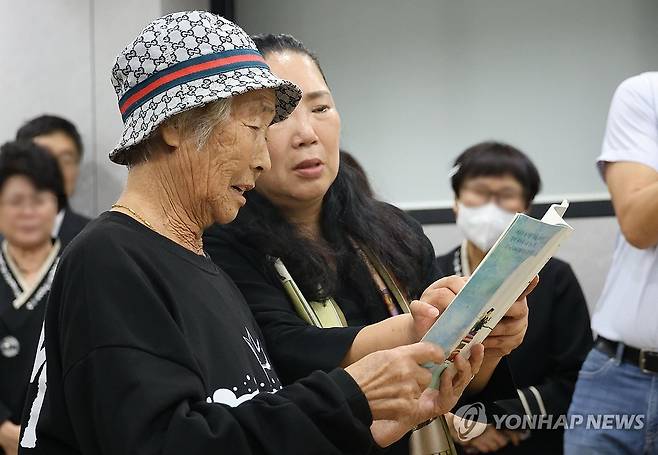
68, 160
475, 196
34, 201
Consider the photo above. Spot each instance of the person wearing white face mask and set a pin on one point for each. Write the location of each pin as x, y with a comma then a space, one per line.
482, 225
492, 181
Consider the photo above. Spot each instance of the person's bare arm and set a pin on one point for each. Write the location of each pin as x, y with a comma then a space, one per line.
634, 191
405, 328
392, 332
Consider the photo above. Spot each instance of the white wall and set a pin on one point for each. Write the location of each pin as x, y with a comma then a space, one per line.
417, 81
45, 55
56, 58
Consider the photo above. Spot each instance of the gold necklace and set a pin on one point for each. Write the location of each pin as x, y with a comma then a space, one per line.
135, 214
196, 249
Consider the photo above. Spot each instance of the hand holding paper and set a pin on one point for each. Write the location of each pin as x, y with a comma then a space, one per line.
508, 334
431, 403
506, 271
437, 296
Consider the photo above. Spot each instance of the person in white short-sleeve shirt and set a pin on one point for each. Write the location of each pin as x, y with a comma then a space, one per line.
618, 379
628, 308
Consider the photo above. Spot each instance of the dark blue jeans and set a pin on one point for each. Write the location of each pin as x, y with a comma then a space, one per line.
613, 395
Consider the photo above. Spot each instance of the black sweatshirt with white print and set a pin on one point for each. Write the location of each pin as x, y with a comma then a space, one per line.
150, 348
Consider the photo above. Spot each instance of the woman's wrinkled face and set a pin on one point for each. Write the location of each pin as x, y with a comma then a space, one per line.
27, 215
237, 153
211, 181
304, 147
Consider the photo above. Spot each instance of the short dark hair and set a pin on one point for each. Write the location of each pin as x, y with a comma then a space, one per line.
497, 159
268, 43
28, 159
48, 124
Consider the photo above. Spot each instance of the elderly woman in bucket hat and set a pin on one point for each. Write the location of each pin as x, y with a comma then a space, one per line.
148, 346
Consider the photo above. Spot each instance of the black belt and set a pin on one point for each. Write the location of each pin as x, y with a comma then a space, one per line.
647, 361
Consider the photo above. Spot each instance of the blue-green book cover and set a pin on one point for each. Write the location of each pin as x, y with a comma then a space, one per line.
502, 276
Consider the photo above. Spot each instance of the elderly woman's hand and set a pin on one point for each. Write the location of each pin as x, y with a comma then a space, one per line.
392, 380
432, 402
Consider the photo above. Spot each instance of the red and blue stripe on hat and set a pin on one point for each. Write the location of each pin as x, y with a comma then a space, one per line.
189, 70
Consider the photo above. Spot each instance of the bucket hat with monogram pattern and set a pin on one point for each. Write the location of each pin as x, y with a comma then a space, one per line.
185, 60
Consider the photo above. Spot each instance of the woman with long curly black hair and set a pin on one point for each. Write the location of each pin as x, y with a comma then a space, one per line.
327, 269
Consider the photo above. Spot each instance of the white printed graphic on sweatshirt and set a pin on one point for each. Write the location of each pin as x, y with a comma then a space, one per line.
29, 439
238, 394
261, 356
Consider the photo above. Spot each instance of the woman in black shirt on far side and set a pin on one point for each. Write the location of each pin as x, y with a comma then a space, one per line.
492, 181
